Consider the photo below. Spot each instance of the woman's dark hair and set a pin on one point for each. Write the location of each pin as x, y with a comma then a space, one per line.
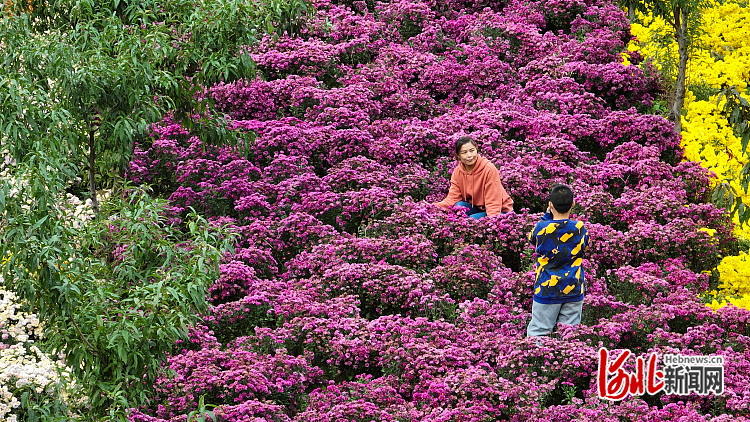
561, 197
463, 141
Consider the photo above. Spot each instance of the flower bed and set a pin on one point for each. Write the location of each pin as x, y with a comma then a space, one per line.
351, 297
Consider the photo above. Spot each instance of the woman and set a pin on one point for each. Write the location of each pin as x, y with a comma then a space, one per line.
475, 183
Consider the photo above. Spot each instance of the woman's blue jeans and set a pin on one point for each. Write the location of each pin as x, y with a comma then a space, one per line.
471, 210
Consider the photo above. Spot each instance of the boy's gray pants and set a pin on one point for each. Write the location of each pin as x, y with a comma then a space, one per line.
544, 316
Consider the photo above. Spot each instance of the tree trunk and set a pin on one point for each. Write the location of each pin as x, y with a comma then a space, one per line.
631, 10
92, 182
680, 33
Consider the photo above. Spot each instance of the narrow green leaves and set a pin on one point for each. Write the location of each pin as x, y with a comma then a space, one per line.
736, 109
147, 291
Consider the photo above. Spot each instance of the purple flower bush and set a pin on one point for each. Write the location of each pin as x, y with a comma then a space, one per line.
350, 297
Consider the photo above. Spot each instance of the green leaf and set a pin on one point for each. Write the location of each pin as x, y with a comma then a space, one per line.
39, 223
3, 193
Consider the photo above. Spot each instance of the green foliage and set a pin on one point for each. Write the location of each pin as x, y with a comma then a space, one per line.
92, 75
206, 39
91, 89
244, 322
33, 237
200, 414
737, 111
116, 295
49, 404
702, 91
214, 33
665, 55
743, 245
726, 196
145, 283
569, 393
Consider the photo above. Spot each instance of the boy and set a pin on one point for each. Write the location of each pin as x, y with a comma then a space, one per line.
559, 284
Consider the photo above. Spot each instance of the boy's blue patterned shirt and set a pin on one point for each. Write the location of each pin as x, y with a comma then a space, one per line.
560, 245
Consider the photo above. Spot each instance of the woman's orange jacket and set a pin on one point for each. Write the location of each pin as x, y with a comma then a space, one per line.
481, 188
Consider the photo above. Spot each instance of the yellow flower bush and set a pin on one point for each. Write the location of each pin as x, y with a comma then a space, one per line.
738, 301
735, 283
735, 274
707, 138
722, 57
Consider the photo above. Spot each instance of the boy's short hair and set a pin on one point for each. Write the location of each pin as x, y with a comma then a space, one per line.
460, 142
561, 197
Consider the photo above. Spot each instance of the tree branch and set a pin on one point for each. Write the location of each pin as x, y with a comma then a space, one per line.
91, 346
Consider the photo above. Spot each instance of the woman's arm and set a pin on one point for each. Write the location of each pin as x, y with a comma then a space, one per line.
496, 199
454, 193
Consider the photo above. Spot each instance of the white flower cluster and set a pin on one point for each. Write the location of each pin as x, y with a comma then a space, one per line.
22, 364
77, 212
7, 160
74, 211
5, 164
16, 326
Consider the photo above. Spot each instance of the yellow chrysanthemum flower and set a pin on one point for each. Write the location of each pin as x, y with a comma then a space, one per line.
722, 56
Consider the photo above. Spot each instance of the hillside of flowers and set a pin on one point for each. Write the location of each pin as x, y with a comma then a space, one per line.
721, 56
351, 297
